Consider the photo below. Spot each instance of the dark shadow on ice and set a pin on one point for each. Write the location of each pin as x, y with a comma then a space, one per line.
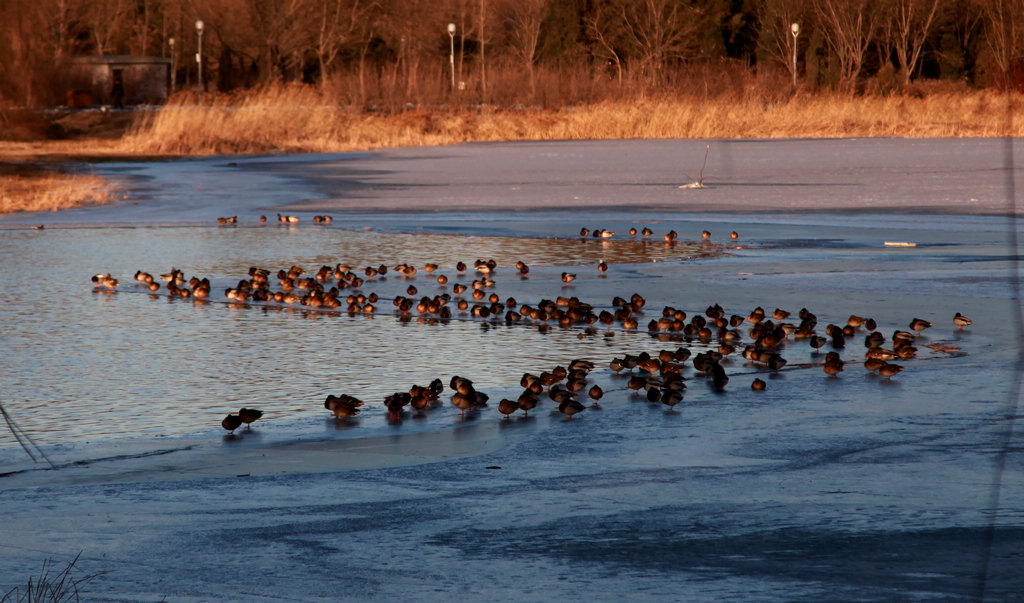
874, 565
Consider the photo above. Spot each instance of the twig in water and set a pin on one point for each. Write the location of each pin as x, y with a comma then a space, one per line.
24, 439
699, 182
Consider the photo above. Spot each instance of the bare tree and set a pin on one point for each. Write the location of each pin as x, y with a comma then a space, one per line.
906, 25
659, 31
106, 20
524, 19
849, 27
599, 27
483, 45
27, 58
412, 28
340, 23
1004, 34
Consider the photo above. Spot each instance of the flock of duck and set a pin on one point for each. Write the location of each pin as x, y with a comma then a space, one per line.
658, 377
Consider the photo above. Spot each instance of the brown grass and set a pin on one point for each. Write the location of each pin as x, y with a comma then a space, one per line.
300, 119
26, 187
295, 119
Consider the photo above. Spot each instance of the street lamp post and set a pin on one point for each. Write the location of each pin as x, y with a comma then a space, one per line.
795, 28
451, 55
199, 57
170, 42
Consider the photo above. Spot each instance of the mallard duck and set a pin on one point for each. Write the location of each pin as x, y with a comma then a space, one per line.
880, 354
855, 321
231, 423
758, 385
463, 402
632, 232
570, 407
461, 384
668, 397
559, 395
873, 364
249, 415
706, 234
671, 236
507, 407
568, 277
833, 364
396, 404
734, 235
961, 321
919, 324
343, 406
646, 232
527, 401
874, 339
584, 232
889, 370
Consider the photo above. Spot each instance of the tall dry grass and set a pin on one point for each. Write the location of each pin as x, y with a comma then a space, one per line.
303, 119
41, 189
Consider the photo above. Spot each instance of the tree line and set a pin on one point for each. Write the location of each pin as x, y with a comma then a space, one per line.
520, 50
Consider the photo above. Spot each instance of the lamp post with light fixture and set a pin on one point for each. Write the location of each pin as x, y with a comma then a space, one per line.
170, 42
451, 55
795, 29
199, 57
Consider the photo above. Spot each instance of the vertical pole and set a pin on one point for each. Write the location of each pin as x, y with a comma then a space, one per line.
795, 28
451, 55
170, 42
199, 58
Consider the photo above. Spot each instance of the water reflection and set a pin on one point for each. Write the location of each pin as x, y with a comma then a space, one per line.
84, 365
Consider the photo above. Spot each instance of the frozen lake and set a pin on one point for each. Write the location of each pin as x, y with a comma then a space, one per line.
818, 488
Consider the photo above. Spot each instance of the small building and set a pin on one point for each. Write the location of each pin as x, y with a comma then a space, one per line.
115, 80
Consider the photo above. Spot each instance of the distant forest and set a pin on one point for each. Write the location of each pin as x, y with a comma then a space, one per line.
523, 51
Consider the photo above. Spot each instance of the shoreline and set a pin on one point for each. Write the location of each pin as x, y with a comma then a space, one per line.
752, 177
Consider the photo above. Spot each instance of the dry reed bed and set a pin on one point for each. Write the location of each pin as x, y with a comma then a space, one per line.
52, 191
299, 119
294, 119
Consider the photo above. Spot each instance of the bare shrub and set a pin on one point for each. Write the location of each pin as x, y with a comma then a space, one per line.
50, 586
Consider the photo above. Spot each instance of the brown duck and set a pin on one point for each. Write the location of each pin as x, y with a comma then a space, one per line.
249, 415
570, 407
507, 407
231, 423
343, 406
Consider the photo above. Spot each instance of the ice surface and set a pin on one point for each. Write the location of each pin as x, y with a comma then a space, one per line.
856, 488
